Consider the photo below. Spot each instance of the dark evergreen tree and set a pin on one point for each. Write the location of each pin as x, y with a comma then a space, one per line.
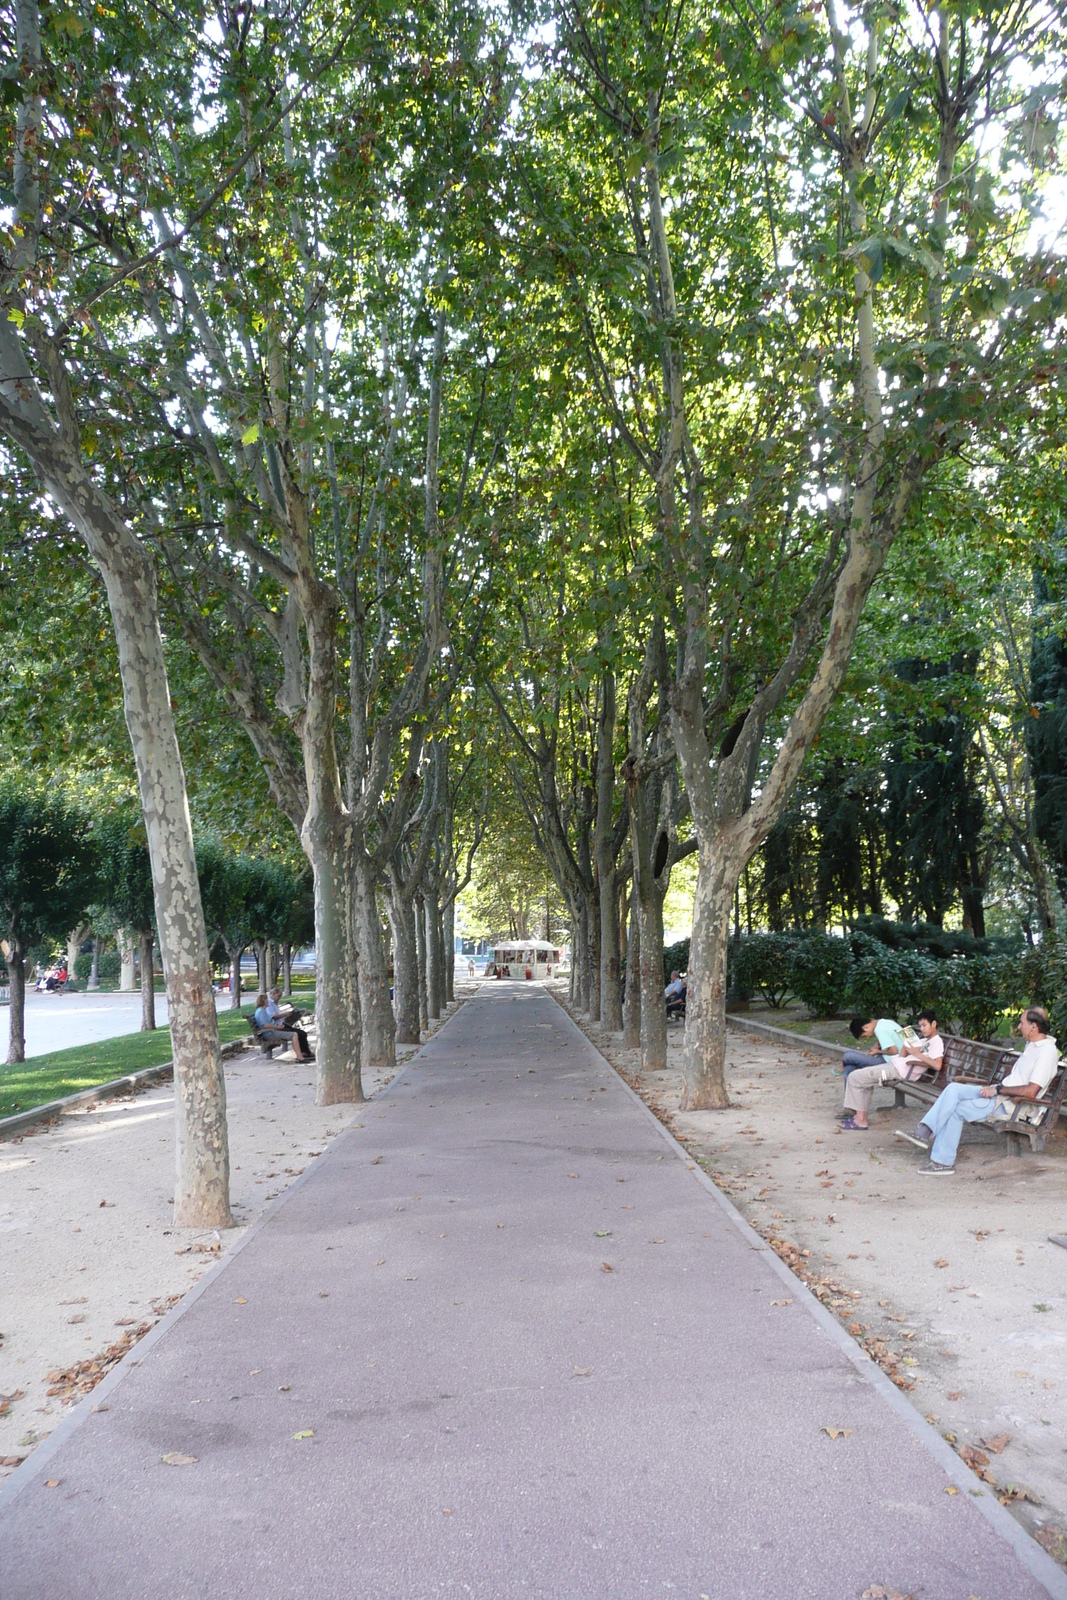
1047, 740
933, 807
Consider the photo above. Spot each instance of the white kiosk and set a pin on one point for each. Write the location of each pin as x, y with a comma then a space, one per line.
526, 958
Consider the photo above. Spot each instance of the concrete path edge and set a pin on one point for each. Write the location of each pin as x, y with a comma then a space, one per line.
1037, 1562
30, 1470
786, 1035
145, 1078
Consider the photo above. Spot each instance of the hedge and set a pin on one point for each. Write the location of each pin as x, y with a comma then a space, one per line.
110, 965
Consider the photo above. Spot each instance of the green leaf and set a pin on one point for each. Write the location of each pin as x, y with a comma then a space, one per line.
251, 434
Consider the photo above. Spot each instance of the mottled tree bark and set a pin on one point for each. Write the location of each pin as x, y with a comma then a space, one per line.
16, 971
379, 1028
148, 983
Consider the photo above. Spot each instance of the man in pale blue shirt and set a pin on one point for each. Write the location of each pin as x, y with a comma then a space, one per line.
888, 1041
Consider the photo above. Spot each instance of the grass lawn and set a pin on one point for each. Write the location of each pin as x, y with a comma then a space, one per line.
31, 1083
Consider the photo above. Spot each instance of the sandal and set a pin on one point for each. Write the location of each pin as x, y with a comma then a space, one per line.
850, 1125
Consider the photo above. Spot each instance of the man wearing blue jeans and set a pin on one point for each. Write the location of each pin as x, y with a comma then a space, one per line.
888, 1041
1031, 1075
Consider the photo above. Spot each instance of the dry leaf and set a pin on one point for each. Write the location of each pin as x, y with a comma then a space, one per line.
51, 1483
101, 1408
836, 1433
952, 1489
176, 1459
602, 1233
973, 1456
781, 1302
998, 1443
940, 1262
240, 1301
582, 1372
283, 1388
380, 1261
305, 1433
878, 1591
572, 1174
376, 1160
78, 1316
447, 1512
955, 1394
606, 1266
11, 1461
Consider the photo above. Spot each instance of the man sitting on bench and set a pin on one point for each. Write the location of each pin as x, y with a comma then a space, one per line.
274, 1031
1031, 1075
674, 994
861, 1082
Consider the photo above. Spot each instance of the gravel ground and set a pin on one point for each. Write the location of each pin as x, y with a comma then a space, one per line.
953, 1280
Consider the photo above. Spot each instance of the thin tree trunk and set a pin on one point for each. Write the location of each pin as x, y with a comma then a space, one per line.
148, 983
631, 1015
448, 926
337, 1014
272, 965
74, 945
434, 961
653, 1005
235, 953
610, 969
127, 961
261, 966
379, 1028
16, 971
94, 970
704, 1051
287, 971
420, 962
405, 967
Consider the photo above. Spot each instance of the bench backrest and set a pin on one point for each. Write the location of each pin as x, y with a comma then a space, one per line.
970, 1058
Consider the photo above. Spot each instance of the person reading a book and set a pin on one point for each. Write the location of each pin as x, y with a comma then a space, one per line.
941, 1126
914, 1056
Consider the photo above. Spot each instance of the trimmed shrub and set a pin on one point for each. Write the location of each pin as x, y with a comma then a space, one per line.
975, 993
820, 972
765, 962
109, 968
892, 983
675, 959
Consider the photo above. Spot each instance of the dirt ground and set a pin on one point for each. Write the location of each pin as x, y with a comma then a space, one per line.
89, 1259
951, 1283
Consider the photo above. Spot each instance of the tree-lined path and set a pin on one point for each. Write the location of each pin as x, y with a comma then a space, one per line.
500, 1342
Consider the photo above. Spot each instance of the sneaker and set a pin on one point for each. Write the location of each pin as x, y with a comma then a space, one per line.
934, 1169
915, 1138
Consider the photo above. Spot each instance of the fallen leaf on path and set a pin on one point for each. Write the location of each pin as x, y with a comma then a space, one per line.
955, 1394
602, 1233
376, 1160
79, 1316
940, 1262
836, 1433
80, 1301
380, 1262
51, 1483
11, 1461
781, 1302
305, 1433
240, 1301
972, 1456
582, 1372
100, 1408
954, 1288
878, 1591
606, 1266
125, 1322
447, 1511
998, 1443
175, 1459
952, 1489
572, 1174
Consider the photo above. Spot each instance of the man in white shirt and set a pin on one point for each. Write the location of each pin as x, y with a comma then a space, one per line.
971, 1102
861, 1082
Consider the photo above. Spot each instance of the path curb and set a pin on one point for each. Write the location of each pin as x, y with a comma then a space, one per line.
102, 1091
786, 1036
1037, 1562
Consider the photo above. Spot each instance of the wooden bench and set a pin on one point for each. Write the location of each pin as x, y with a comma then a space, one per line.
266, 1044
971, 1061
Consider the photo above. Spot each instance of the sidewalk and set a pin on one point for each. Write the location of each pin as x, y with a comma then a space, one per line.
542, 1361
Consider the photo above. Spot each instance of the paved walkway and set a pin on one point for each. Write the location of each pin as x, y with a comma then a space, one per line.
419, 1378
